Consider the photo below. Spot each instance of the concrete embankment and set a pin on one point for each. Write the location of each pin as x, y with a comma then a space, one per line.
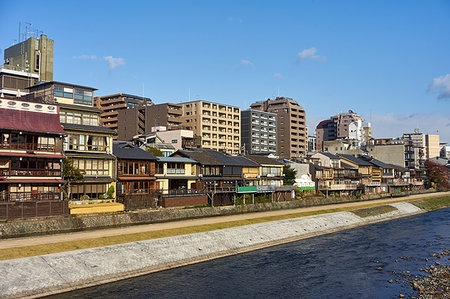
62, 224
52, 273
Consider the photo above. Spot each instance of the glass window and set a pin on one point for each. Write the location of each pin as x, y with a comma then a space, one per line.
58, 91
68, 93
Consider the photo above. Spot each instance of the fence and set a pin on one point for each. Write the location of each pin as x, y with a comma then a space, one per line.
29, 209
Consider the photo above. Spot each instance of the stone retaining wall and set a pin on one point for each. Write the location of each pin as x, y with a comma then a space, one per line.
43, 275
50, 225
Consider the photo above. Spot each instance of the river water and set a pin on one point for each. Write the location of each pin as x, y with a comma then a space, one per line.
338, 265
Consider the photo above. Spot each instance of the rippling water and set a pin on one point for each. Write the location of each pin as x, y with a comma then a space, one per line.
338, 265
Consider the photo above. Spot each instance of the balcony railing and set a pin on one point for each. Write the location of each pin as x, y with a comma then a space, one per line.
29, 147
31, 173
27, 196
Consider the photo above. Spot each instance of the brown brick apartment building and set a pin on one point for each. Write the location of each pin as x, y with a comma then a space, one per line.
132, 122
291, 125
111, 105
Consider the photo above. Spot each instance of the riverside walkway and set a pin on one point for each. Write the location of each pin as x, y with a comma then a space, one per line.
102, 233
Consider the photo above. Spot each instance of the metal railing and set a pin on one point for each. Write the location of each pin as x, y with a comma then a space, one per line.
29, 196
31, 172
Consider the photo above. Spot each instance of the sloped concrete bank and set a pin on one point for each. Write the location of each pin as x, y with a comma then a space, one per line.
52, 225
54, 273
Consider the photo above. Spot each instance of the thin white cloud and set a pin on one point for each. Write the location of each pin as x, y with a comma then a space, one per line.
278, 75
310, 54
85, 57
442, 85
246, 62
114, 62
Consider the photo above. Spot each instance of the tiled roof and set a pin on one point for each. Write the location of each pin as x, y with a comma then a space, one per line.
127, 150
175, 159
329, 155
200, 157
87, 128
355, 160
263, 160
381, 164
230, 160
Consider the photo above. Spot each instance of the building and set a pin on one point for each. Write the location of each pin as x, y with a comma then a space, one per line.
312, 142
432, 146
291, 125
111, 105
417, 144
343, 126
259, 132
176, 175
14, 83
31, 151
34, 55
136, 169
140, 120
215, 126
87, 144
270, 170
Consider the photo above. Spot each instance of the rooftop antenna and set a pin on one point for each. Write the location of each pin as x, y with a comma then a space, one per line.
278, 94
189, 94
20, 24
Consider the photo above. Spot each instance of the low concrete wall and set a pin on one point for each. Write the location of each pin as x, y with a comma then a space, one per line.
51, 225
48, 274
184, 201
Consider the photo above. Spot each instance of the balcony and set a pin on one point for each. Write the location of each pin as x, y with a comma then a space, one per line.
31, 172
29, 196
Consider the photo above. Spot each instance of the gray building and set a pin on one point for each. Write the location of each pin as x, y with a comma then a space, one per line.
258, 132
34, 55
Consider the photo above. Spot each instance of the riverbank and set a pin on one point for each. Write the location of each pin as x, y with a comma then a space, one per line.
84, 222
105, 264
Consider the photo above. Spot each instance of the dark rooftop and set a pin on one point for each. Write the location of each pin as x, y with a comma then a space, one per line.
263, 160
87, 128
40, 83
355, 160
127, 150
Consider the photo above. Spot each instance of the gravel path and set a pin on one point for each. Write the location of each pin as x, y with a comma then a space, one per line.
49, 239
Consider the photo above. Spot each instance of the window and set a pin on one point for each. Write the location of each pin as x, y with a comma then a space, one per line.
68, 93
58, 91
175, 168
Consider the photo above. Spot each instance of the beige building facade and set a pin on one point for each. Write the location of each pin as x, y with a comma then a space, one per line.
291, 125
215, 126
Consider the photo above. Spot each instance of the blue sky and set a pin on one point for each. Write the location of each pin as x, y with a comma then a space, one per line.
386, 60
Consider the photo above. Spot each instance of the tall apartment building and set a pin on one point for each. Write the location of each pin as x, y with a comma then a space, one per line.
87, 144
259, 132
111, 105
136, 121
433, 148
32, 56
343, 125
215, 126
291, 125
417, 142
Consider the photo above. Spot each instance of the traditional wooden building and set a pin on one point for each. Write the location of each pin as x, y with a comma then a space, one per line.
270, 170
31, 152
87, 143
176, 175
135, 169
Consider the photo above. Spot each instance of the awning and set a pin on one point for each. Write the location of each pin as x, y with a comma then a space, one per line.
30, 121
32, 155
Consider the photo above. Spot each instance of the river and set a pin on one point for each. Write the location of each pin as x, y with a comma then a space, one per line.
339, 265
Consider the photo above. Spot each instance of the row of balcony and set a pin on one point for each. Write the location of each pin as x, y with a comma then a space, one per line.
31, 172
